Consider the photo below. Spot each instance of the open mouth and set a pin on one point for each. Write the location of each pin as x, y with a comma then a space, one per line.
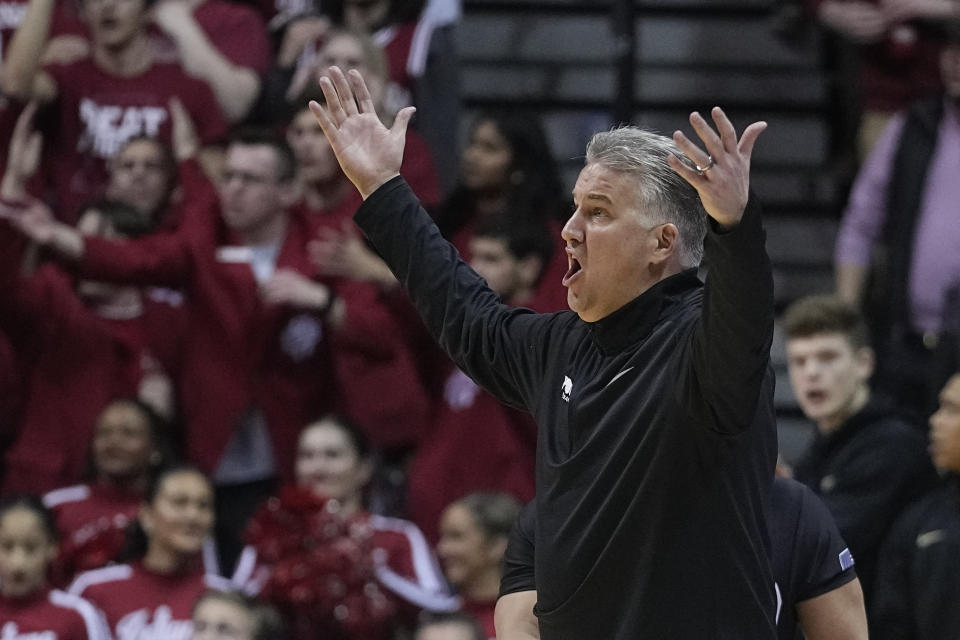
816, 396
572, 271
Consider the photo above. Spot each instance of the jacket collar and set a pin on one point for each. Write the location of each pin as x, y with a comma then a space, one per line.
634, 321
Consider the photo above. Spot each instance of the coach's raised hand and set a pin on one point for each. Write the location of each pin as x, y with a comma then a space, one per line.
368, 152
722, 173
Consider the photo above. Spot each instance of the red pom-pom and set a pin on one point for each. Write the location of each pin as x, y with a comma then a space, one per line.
322, 564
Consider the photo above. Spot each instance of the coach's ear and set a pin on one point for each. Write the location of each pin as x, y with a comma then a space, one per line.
666, 242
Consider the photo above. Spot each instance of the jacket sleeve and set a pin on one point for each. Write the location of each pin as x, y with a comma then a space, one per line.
731, 349
519, 573
498, 346
44, 299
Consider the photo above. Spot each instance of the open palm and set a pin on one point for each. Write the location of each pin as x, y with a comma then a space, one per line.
369, 153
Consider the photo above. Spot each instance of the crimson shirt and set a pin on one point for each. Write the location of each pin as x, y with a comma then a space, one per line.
79, 508
97, 112
50, 615
140, 604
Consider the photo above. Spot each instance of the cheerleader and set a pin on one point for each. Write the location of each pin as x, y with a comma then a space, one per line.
334, 566
171, 562
29, 608
127, 447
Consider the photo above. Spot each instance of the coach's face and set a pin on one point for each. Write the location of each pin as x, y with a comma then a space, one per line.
613, 253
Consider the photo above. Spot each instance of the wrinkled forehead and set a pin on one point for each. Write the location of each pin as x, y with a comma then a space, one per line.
598, 184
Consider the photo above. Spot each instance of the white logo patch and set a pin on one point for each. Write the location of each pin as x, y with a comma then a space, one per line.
566, 389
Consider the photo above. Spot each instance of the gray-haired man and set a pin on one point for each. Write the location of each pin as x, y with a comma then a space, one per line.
654, 398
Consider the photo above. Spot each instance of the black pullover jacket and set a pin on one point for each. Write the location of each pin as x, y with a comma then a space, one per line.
657, 436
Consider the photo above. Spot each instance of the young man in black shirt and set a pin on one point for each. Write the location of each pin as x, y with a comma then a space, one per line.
657, 442
868, 459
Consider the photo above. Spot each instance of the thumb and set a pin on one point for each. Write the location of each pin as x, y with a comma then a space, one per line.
400, 123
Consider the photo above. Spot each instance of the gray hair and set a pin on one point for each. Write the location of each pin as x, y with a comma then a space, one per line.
662, 195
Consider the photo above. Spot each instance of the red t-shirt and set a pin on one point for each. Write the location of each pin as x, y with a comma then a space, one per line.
97, 112
139, 604
50, 615
236, 31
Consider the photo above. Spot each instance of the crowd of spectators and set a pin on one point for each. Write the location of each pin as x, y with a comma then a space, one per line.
220, 417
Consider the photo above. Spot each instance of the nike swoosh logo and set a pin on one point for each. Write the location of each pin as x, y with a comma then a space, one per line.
619, 375
930, 537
